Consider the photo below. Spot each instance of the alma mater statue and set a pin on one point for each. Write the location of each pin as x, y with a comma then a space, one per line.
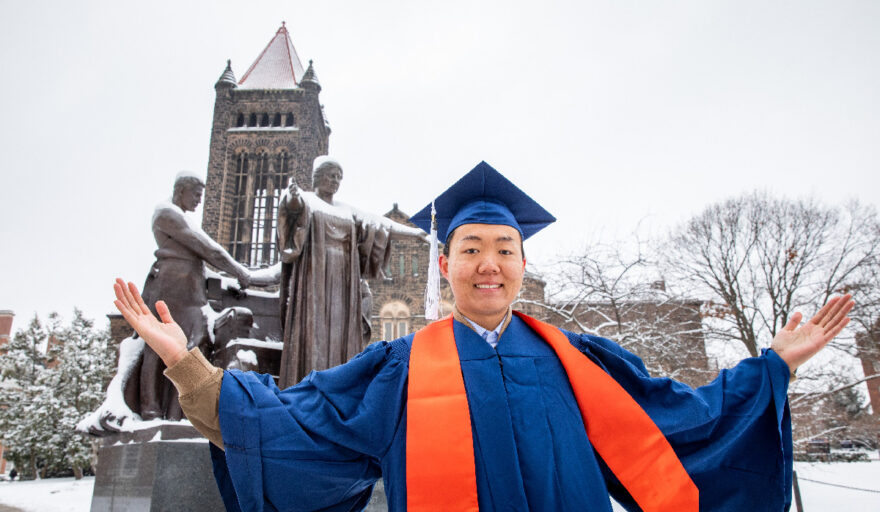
327, 250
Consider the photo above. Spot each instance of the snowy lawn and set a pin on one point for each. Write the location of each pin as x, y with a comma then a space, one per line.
49, 495
68, 495
821, 496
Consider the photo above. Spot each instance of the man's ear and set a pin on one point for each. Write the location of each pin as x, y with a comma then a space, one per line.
524, 264
444, 266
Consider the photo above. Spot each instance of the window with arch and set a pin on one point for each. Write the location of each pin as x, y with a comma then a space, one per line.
239, 120
395, 319
288, 119
258, 181
238, 245
252, 120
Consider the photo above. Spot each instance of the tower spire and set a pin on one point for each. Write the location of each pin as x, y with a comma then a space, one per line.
310, 79
277, 67
227, 79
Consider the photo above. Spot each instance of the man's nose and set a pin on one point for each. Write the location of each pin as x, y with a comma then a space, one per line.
488, 264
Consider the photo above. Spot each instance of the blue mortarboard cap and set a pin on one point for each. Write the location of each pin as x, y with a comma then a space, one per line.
484, 196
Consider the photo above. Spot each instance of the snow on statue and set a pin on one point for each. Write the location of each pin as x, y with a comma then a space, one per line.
328, 249
178, 277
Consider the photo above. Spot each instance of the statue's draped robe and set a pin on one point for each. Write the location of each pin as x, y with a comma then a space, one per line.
326, 251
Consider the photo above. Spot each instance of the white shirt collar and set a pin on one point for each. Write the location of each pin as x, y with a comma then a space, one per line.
491, 337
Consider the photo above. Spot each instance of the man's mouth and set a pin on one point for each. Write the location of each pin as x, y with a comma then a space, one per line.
487, 286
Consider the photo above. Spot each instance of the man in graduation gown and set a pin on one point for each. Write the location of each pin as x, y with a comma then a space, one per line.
491, 409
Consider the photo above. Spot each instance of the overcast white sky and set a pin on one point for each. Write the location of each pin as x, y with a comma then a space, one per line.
608, 113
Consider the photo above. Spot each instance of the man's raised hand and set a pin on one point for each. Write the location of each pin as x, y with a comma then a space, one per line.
165, 337
795, 345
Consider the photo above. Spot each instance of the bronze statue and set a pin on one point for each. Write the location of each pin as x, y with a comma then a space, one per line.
178, 278
328, 249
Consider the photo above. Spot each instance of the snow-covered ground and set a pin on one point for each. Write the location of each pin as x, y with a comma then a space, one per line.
843, 494
49, 495
69, 495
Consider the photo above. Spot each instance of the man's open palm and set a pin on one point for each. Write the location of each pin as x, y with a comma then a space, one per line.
165, 337
795, 345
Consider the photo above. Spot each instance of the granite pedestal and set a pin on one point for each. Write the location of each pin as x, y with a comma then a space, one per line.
139, 473
155, 476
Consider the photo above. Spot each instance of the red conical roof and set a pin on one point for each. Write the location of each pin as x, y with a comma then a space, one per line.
278, 67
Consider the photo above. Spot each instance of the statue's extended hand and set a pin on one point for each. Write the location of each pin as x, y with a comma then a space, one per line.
796, 345
165, 337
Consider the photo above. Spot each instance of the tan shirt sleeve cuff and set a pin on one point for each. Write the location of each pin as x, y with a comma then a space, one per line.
198, 384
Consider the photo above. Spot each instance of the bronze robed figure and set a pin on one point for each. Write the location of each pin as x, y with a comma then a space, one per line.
328, 250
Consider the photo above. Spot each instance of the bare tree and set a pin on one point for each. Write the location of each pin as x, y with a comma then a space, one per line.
758, 259
614, 291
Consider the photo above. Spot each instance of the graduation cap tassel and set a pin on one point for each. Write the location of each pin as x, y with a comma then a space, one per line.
432, 291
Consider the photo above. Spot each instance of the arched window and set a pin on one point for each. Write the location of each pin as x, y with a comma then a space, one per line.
276, 120
238, 248
264, 120
288, 119
252, 120
258, 217
258, 181
239, 121
395, 320
270, 180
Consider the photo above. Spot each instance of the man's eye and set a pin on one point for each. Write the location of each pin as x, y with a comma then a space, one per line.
506, 252
471, 251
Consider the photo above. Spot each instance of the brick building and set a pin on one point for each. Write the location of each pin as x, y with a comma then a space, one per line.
6, 317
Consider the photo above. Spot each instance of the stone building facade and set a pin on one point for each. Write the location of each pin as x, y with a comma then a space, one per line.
268, 127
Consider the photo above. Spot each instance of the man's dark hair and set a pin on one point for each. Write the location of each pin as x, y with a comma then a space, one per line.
449, 242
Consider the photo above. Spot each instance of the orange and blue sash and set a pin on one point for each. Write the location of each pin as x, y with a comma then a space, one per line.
440, 470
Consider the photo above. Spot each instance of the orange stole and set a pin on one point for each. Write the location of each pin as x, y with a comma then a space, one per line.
439, 446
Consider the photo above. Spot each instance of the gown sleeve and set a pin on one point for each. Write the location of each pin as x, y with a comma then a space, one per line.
315, 445
733, 435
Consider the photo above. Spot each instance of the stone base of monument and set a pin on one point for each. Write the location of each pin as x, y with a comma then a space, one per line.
166, 468
155, 475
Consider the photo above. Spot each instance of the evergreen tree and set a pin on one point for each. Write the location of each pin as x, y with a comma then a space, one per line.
23, 414
85, 363
52, 377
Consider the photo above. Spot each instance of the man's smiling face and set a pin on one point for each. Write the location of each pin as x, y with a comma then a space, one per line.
485, 270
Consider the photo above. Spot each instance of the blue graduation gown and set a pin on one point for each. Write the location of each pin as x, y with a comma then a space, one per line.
323, 443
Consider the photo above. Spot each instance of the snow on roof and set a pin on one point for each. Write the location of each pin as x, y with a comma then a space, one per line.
278, 67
